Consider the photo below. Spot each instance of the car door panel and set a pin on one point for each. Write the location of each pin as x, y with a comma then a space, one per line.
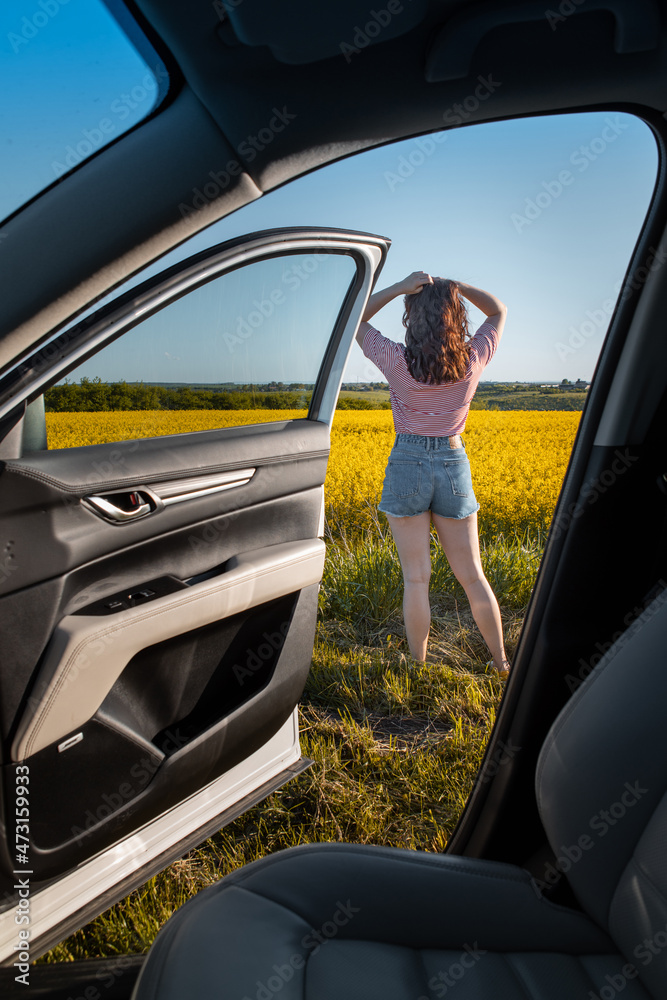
29, 616
158, 596
53, 532
256, 557
81, 807
87, 653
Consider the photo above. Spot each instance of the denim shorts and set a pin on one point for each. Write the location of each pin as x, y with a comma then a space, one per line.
425, 473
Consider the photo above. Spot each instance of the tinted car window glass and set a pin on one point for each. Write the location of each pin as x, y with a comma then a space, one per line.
253, 338
77, 79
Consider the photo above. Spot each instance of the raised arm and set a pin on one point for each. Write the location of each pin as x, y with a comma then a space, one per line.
494, 310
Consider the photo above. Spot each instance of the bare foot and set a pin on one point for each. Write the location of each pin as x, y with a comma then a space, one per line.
503, 670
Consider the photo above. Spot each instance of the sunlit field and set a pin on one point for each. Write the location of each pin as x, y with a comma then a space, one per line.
396, 745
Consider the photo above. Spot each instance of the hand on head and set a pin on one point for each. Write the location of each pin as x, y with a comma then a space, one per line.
415, 282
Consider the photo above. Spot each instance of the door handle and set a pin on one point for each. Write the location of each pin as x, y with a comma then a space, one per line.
119, 508
122, 506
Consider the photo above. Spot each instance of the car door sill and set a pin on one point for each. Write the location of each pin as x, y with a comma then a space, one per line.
99, 883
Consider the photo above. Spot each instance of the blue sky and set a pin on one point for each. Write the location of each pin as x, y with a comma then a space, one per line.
542, 212
269, 321
462, 210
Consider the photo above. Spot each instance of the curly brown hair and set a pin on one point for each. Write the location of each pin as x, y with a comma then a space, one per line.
437, 334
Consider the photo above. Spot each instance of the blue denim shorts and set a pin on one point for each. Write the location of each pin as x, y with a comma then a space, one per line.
425, 473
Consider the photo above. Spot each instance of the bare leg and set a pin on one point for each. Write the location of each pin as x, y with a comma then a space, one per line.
460, 542
412, 536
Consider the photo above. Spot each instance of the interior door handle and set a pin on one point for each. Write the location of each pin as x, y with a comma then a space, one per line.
122, 507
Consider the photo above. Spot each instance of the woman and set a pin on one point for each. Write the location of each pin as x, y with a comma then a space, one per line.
432, 381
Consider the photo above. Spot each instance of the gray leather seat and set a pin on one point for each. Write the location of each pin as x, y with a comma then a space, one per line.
345, 922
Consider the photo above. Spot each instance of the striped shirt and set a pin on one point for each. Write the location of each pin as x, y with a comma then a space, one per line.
423, 408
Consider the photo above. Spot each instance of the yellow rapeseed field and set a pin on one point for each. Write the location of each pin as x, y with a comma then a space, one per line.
518, 460
518, 457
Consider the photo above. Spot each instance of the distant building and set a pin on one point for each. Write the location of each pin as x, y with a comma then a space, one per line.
567, 386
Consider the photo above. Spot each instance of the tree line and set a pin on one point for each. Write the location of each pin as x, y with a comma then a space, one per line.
94, 395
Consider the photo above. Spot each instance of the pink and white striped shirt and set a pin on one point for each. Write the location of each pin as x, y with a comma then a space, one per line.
423, 408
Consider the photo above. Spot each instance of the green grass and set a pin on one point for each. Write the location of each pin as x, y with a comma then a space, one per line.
491, 397
374, 396
527, 399
396, 744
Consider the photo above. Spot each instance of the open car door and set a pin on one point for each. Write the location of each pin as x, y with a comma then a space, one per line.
158, 594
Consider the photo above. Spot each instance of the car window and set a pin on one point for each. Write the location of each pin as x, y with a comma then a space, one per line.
234, 350
78, 79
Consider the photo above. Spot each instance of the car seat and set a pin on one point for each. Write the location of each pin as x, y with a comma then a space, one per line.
347, 922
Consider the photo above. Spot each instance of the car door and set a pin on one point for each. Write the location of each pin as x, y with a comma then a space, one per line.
158, 588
